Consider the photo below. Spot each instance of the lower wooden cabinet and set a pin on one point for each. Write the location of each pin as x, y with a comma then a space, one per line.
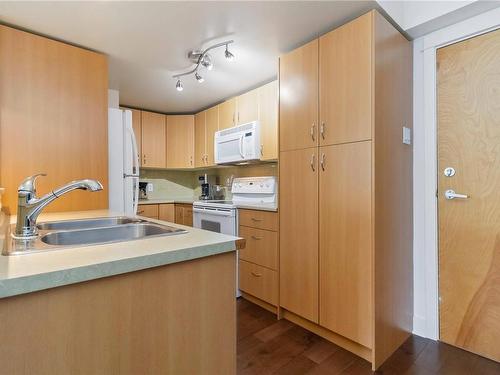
261, 247
259, 281
148, 210
166, 212
184, 214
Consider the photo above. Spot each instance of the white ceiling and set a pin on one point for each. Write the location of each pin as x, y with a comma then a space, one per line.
147, 42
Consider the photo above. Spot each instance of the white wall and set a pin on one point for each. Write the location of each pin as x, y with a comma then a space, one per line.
113, 98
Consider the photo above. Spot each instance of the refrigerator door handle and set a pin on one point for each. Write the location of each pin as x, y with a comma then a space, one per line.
135, 152
136, 195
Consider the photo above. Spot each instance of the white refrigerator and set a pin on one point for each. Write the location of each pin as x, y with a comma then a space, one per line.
123, 163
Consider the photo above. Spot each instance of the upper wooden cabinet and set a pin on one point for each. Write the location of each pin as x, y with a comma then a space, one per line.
180, 141
247, 107
345, 83
137, 126
212, 125
298, 104
268, 116
200, 139
227, 114
153, 140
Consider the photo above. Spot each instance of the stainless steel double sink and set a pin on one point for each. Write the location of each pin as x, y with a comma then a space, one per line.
84, 232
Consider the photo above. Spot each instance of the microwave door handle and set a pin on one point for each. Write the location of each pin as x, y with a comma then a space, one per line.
241, 147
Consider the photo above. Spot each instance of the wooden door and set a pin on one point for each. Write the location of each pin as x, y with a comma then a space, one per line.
248, 107
345, 233
153, 140
345, 82
200, 139
180, 141
268, 116
212, 125
468, 97
148, 210
298, 202
298, 104
227, 114
179, 214
166, 212
136, 125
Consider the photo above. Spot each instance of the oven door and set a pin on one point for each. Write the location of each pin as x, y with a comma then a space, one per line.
220, 220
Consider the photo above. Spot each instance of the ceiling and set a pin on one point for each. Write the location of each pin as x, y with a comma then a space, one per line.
147, 42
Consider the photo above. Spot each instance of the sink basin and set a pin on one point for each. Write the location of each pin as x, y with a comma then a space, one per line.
116, 233
88, 223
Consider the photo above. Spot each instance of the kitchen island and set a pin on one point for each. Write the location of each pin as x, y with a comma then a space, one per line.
157, 305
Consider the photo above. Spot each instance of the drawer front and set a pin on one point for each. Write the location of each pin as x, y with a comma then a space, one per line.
258, 281
148, 210
261, 247
259, 219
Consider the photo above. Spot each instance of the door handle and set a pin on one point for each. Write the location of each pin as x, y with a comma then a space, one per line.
450, 194
256, 274
313, 157
313, 127
322, 130
256, 237
322, 161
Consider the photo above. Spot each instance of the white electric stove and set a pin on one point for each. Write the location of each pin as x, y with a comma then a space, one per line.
222, 215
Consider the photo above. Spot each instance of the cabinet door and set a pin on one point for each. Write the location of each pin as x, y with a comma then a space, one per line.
212, 125
346, 83
148, 210
136, 125
188, 215
227, 114
179, 214
153, 140
345, 240
200, 139
166, 212
268, 116
248, 107
298, 190
180, 141
298, 75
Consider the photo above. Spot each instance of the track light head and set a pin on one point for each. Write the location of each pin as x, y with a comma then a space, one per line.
179, 86
206, 61
199, 78
228, 54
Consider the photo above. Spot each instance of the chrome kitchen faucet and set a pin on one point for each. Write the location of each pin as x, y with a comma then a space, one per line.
29, 205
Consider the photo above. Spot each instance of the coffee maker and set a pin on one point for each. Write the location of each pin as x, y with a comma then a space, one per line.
207, 182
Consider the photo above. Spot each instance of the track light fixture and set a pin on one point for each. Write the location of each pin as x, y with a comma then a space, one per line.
204, 59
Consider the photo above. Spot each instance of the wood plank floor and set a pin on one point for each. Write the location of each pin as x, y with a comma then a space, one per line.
269, 346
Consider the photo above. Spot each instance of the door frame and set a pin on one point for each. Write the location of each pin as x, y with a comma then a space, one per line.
426, 266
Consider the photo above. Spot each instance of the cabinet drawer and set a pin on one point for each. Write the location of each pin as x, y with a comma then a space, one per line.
258, 281
259, 219
261, 247
148, 210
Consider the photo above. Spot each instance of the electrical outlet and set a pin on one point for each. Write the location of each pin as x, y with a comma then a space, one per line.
406, 135
150, 187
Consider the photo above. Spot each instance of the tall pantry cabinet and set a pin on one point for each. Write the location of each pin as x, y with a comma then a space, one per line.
345, 187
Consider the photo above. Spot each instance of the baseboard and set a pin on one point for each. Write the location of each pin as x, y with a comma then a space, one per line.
260, 302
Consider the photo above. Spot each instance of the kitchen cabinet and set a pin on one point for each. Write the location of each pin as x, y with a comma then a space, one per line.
137, 127
298, 102
345, 62
258, 262
268, 116
148, 210
166, 212
200, 139
212, 126
345, 258
180, 141
247, 107
227, 114
299, 254
154, 153
184, 214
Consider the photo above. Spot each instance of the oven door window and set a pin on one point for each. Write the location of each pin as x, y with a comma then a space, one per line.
210, 225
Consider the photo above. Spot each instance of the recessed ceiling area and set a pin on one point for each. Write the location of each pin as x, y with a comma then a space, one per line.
148, 42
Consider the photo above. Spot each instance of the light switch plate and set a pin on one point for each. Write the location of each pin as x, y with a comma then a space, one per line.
150, 187
406, 135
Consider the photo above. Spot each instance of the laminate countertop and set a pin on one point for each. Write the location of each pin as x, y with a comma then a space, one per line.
27, 273
254, 206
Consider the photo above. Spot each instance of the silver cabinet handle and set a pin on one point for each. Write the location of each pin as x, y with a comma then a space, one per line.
322, 161
256, 238
256, 274
313, 127
255, 219
322, 130
450, 194
313, 158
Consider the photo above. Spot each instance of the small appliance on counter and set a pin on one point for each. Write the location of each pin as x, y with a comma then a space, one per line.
207, 184
143, 190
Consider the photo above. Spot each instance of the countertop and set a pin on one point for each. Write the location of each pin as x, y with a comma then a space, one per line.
21, 274
257, 206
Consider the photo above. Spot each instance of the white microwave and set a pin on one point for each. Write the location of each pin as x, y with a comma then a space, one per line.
238, 144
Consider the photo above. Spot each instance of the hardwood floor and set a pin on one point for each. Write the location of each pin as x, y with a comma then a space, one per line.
269, 346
